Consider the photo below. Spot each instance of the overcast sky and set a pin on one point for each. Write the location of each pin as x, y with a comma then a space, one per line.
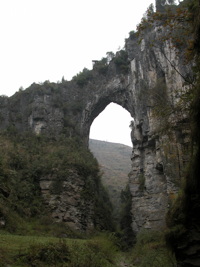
48, 39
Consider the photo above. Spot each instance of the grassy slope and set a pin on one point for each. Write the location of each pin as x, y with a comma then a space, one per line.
115, 163
18, 251
99, 251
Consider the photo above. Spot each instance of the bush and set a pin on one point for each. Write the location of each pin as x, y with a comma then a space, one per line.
148, 236
24, 159
4, 258
151, 250
94, 253
102, 66
121, 61
126, 235
46, 254
83, 77
132, 35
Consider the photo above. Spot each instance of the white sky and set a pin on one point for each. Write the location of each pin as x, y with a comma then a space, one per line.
48, 39
112, 125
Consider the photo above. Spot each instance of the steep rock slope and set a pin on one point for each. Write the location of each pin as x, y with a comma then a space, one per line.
144, 79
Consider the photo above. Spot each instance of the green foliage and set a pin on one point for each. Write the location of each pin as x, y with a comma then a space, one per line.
13, 221
96, 252
24, 251
114, 161
174, 24
19, 180
121, 61
110, 55
83, 77
159, 97
76, 108
103, 210
184, 213
160, 104
146, 21
151, 251
101, 66
4, 258
176, 213
132, 35
175, 233
127, 237
146, 236
25, 159
166, 113
46, 254
45, 226
94, 191
15, 247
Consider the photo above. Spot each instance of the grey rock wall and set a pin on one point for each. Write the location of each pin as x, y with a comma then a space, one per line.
67, 205
158, 159
159, 154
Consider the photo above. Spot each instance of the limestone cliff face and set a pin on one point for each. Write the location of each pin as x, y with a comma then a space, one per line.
159, 157
150, 91
67, 205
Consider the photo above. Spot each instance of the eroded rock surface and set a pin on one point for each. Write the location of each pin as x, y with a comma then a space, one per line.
158, 159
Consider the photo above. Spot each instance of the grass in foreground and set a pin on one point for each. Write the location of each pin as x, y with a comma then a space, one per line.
21, 251
97, 251
151, 251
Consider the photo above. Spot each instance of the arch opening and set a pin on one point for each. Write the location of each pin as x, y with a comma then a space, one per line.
110, 142
112, 125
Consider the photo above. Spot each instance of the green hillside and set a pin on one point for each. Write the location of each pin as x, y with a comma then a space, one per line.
115, 163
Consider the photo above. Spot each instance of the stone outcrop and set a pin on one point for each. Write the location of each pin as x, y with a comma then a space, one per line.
67, 205
158, 159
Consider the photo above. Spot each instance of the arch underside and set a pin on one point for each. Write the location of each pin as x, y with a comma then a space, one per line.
149, 185
123, 98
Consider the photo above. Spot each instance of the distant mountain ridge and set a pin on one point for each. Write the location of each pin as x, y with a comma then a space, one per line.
115, 163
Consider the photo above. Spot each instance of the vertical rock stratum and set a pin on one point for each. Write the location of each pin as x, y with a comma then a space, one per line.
144, 79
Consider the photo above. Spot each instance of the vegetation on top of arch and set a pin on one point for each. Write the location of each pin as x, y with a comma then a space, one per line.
172, 28
173, 23
120, 59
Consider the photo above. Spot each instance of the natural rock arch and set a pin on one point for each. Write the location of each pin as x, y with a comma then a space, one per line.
113, 124
50, 109
120, 95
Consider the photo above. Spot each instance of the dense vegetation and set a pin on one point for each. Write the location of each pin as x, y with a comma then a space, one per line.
101, 67
26, 158
183, 218
99, 250
19, 251
115, 164
181, 26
